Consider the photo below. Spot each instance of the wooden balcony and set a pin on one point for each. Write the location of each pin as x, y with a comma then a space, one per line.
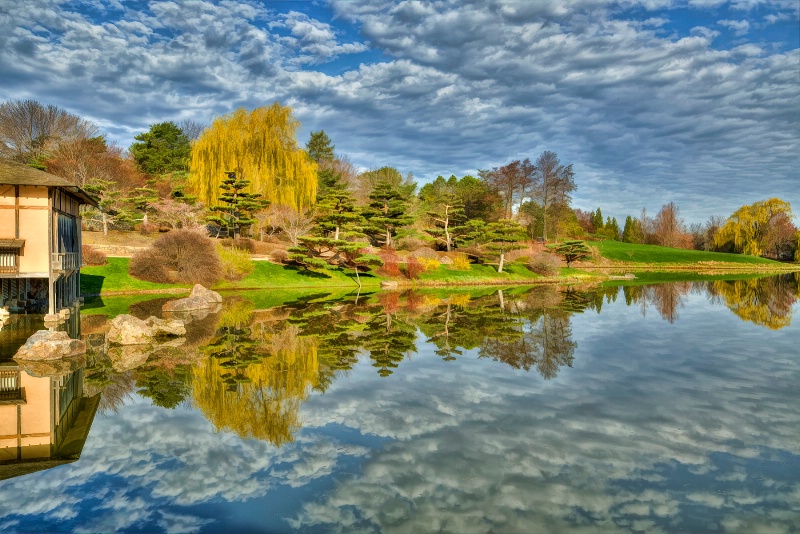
65, 261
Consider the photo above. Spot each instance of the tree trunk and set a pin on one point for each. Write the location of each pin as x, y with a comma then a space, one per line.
105, 224
502, 260
336, 234
388, 238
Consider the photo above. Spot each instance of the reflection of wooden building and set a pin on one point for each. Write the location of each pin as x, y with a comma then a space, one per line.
44, 421
40, 237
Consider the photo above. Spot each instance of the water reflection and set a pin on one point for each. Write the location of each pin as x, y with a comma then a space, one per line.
249, 371
45, 415
479, 411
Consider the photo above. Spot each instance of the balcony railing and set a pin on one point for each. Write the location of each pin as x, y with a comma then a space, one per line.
10, 389
65, 261
9, 261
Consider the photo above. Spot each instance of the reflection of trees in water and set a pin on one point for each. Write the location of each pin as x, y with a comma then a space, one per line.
255, 389
543, 333
665, 298
523, 331
763, 301
115, 388
389, 336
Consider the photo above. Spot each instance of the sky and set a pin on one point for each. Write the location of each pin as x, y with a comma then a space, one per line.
691, 101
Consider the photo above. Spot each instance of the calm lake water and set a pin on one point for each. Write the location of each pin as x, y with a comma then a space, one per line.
665, 408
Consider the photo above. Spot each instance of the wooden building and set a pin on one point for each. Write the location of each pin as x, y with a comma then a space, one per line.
40, 237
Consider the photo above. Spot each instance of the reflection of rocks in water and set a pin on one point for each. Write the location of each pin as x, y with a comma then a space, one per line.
128, 357
52, 368
129, 330
190, 316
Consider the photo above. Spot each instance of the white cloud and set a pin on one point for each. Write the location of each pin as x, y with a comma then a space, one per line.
738, 27
467, 85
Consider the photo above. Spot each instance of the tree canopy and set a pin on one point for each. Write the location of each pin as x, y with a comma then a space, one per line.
162, 149
261, 147
760, 227
319, 146
30, 131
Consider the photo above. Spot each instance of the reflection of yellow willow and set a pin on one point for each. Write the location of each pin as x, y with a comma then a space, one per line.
765, 302
268, 393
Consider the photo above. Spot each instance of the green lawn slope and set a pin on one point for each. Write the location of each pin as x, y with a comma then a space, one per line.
653, 254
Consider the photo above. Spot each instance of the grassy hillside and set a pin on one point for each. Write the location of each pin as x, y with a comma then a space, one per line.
653, 254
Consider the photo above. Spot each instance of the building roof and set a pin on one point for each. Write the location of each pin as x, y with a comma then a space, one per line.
13, 173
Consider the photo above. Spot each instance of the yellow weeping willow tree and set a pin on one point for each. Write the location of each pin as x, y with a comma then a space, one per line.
261, 146
266, 399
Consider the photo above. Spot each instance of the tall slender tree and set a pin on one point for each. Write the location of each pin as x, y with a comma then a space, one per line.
319, 146
553, 185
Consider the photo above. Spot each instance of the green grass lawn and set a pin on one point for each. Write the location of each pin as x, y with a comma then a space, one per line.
114, 277
512, 272
272, 275
651, 254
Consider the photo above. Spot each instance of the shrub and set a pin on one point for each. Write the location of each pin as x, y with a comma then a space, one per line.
460, 263
180, 256
429, 264
148, 228
92, 256
259, 247
243, 243
235, 263
391, 262
544, 264
279, 255
413, 268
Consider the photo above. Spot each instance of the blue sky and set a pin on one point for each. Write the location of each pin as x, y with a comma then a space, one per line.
691, 101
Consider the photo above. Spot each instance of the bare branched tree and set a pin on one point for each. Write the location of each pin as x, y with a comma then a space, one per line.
291, 222
30, 131
192, 128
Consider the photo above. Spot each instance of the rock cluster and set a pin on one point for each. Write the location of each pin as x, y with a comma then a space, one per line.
199, 299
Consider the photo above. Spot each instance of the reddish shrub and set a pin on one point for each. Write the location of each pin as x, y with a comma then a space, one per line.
180, 256
391, 262
92, 256
413, 268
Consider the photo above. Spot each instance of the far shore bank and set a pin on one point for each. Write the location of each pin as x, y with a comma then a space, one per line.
113, 279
